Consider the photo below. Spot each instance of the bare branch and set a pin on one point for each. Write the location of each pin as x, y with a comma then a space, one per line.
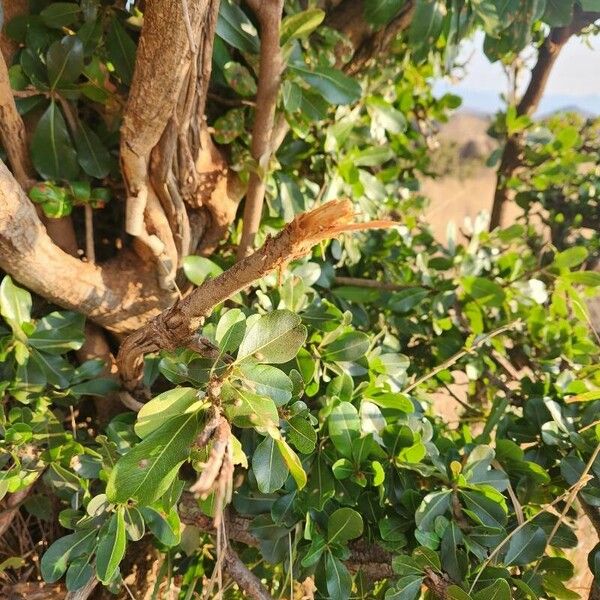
12, 132
246, 580
268, 13
177, 326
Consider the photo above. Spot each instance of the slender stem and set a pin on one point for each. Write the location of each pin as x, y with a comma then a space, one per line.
89, 234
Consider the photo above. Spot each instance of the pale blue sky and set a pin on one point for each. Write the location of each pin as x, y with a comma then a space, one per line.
575, 79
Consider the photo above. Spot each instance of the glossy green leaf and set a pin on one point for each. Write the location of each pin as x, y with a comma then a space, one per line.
60, 14
64, 61
111, 547
343, 525
121, 50
269, 381
58, 333
56, 559
344, 427
15, 304
331, 84
300, 25
274, 338
92, 154
525, 546
269, 466
236, 29
301, 434
339, 581
165, 406
406, 588
381, 12
148, 469
499, 590
348, 347
52, 151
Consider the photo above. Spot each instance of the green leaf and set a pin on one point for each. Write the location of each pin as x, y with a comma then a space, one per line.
406, 588
485, 291
198, 268
571, 257
457, 593
484, 509
301, 434
79, 573
349, 346
293, 463
92, 155
55, 560
269, 467
339, 582
60, 14
300, 25
236, 29
426, 26
121, 51
230, 329
525, 546
239, 78
58, 333
251, 410
15, 305
587, 278
499, 590
275, 338
591, 5
343, 525
406, 300
149, 468
331, 84
52, 152
111, 547
344, 427
432, 506
166, 527
229, 126
558, 13
381, 12
269, 381
165, 406
134, 524
64, 61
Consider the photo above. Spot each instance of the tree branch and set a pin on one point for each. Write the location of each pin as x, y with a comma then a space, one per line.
268, 13
245, 579
547, 55
119, 295
12, 132
177, 326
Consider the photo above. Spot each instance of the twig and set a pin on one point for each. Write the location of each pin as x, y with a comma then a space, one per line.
374, 284
268, 13
245, 579
89, 234
456, 357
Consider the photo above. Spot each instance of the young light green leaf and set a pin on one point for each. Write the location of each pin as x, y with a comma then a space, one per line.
111, 547
198, 268
275, 338
343, 525
15, 305
293, 463
300, 25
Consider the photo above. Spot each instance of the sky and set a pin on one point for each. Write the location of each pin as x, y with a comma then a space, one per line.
574, 81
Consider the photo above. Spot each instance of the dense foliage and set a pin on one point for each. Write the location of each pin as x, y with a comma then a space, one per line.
327, 372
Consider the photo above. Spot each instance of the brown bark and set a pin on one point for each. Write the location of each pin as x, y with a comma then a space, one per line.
268, 13
547, 55
120, 295
12, 132
246, 580
12, 8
